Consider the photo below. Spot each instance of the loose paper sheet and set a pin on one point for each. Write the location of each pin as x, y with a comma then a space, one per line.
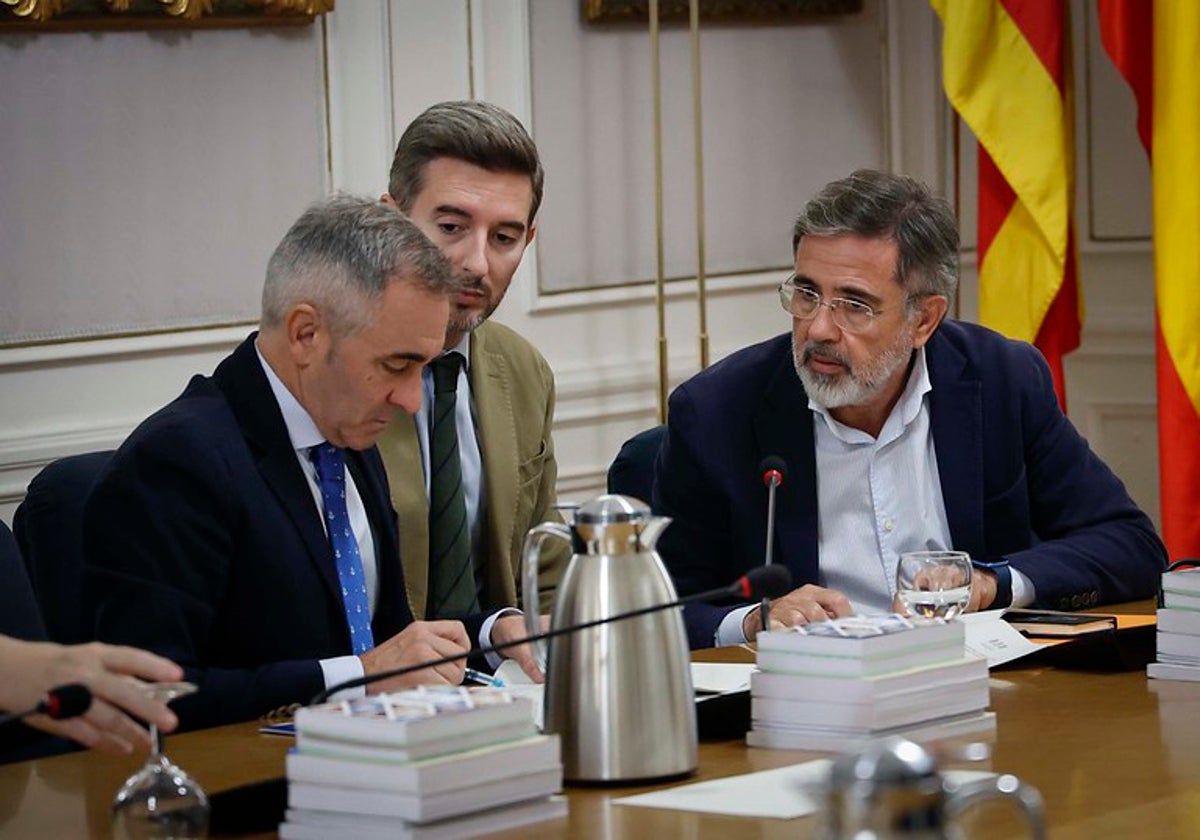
721, 677
997, 641
785, 793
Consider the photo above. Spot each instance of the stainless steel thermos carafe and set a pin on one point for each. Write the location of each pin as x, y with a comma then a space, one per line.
619, 695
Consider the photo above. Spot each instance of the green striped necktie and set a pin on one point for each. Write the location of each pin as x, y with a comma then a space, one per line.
452, 579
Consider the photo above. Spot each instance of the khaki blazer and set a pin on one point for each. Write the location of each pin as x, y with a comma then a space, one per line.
513, 391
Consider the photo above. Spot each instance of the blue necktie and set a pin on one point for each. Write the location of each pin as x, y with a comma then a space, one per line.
331, 475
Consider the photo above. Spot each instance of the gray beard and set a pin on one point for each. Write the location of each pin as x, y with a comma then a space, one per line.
855, 387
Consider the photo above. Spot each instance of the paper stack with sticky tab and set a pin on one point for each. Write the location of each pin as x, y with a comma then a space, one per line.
432, 762
835, 684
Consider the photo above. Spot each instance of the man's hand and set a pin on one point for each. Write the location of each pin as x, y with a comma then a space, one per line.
419, 642
808, 604
110, 672
509, 628
983, 590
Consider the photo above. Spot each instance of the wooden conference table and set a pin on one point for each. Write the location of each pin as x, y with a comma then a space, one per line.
1115, 756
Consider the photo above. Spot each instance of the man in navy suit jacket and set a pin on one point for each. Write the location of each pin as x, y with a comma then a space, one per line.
901, 431
204, 537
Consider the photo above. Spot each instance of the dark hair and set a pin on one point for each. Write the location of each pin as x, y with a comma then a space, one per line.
477, 132
341, 254
879, 205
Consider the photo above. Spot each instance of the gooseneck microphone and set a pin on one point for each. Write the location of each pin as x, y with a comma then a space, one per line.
762, 582
774, 471
61, 703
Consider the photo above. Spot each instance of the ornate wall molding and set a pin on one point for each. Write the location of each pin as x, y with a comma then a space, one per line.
76, 15
774, 11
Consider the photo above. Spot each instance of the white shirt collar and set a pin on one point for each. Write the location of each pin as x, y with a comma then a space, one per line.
301, 429
463, 347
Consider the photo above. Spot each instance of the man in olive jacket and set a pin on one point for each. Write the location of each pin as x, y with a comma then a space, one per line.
469, 176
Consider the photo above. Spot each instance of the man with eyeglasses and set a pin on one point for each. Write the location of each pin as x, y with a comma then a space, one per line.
901, 430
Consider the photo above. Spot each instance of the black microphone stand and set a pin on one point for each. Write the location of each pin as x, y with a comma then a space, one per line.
774, 469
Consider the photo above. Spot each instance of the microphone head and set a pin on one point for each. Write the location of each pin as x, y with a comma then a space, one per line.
66, 701
773, 470
773, 581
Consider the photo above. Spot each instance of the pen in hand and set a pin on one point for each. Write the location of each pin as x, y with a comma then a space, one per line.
471, 675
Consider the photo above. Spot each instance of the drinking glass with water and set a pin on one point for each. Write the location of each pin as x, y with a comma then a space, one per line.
934, 584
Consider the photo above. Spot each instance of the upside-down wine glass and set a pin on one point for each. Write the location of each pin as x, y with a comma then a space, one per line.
160, 800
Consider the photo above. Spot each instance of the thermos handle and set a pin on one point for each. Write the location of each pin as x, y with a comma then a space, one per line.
1006, 786
529, 584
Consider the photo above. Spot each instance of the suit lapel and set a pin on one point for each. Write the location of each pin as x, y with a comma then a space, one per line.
245, 386
783, 427
495, 424
956, 417
402, 457
367, 471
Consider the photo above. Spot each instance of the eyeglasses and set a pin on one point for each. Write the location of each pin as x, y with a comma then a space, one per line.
802, 303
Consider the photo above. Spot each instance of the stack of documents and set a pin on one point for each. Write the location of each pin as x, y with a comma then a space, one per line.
427, 763
836, 684
1178, 638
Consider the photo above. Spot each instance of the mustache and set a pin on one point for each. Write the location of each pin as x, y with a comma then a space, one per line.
472, 283
825, 353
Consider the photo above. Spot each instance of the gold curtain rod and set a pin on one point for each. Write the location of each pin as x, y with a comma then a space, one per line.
698, 142
660, 269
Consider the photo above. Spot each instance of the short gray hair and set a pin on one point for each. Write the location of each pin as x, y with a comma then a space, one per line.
341, 255
476, 132
879, 205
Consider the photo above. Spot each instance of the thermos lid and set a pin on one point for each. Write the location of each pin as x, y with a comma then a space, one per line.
611, 509
887, 762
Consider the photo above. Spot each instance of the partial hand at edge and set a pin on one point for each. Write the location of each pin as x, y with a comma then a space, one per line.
509, 628
983, 590
114, 675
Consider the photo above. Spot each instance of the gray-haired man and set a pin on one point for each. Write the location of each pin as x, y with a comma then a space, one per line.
902, 430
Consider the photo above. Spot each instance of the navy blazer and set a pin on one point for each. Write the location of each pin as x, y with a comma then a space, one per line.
1018, 480
204, 544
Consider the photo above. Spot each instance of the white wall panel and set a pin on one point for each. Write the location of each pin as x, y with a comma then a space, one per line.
362, 134
147, 175
784, 108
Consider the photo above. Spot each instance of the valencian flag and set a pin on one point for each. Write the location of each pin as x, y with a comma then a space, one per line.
1006, 68
1156, 46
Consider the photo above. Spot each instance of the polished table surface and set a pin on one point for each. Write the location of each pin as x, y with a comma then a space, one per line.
1114, 755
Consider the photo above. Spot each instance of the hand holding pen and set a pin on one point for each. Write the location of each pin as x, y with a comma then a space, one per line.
480, 678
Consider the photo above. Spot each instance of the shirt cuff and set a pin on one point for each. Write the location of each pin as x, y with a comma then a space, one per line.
729, 631
1023, 593
493, 658
339, 670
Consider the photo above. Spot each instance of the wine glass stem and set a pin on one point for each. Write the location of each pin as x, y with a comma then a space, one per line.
155, 742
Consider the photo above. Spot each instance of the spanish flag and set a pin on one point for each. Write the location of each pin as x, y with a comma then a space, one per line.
1156, 44
1006, 68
